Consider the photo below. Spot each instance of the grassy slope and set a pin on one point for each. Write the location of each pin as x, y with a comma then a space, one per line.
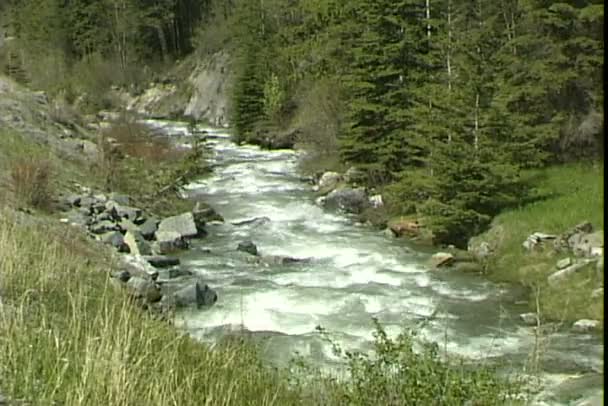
573, 193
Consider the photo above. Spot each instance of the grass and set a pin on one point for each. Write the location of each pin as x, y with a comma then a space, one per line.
568, 195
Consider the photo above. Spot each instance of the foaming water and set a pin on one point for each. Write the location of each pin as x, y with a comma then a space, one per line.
348, 275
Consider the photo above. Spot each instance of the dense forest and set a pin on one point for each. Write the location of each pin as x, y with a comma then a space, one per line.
439, 102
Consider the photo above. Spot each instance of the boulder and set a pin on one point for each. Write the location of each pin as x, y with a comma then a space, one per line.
536, 239
585, 325
145, 289
560, 275
122, 276
205, 214
248, 247
137, 244
587, 244
73, 200
195, 293
564, 263
184, 225
168, 242
529, 319
148, 228
126, 212
161, 261
329, 180
116, 240
442, 259
403, 227
120, 199
165, 275
127, 225
103, 227
347, 199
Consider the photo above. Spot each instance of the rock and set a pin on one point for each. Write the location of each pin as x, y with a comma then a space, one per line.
127, 225
184, 225
105, 216
347, 199
73, 200
376, 201
354, 175
529, 319
585, 325
164, 275
116, 240
122, 276
256, 221
76, 218
161, 261
388, 233
587, 245
559, 276
87, 202
148, 228
168, 242
248, 247
442, 259
564, 263
120, 199
126, 212
137, 244
205, 214
103, 227
282, 260
329, 180
584, 227
196, 293
536, 239
409, 228
141, 288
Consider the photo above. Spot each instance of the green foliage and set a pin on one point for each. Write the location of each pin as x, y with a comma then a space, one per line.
399, 373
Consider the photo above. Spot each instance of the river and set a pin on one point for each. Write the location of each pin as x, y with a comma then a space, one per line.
353, 273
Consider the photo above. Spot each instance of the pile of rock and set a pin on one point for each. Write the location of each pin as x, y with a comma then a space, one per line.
150, 276
342, 192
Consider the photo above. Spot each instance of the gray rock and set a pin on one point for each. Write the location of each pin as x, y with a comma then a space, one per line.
205, 214
120, 199
127, 212
529, 319
564, 263
141, 288
168, 242
73, 200
536, 239
87, 202
585, 325
559, 276
248, 247
165, 275
347, 199
161, 261
137, 244
148, 228
442, 259
116, 240
122, 276
184, 225
587, 245
196, 293
105, 216
103, 227
329, 180
584, 227
127, 225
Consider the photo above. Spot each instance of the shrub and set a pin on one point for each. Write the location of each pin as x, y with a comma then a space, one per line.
31, 181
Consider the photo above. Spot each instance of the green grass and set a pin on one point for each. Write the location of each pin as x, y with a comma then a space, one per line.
569, 195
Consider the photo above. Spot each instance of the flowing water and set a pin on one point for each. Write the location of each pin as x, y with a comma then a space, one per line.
352, 274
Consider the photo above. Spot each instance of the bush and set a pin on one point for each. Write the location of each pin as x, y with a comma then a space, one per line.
398, 374
31, 181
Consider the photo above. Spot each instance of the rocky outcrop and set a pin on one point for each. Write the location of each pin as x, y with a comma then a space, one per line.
346, 199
